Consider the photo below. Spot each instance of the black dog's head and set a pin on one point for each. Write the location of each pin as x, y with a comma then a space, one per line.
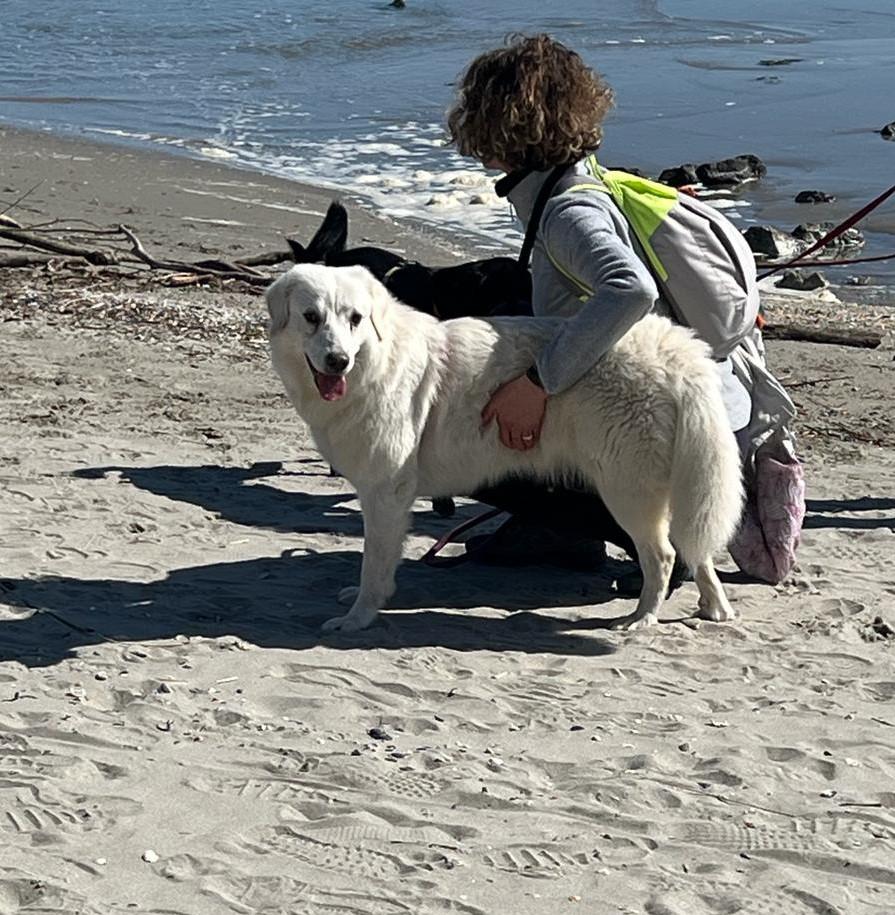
412, 284
493, 286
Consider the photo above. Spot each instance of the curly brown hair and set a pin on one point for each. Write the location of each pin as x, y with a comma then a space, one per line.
531, 104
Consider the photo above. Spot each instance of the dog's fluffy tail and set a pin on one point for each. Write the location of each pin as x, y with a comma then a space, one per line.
706, 472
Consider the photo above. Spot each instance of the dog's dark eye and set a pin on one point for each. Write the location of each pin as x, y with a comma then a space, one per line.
312, 318
356, 318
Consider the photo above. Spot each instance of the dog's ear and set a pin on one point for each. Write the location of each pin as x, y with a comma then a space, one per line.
379, 298
299, 254
277, 297
331, 237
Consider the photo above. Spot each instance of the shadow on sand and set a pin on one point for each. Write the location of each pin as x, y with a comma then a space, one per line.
236, 494
282, 601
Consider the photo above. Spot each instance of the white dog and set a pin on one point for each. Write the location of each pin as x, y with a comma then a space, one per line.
393, 399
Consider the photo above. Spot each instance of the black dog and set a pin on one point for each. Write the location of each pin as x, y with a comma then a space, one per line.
492, 286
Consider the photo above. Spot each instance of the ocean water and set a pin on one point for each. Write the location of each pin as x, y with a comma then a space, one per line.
351, 94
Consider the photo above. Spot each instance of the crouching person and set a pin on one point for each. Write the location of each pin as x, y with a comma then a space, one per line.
606, 249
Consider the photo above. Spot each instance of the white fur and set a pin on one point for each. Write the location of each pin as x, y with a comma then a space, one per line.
645, 426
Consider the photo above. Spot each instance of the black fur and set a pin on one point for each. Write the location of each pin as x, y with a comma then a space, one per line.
494, 285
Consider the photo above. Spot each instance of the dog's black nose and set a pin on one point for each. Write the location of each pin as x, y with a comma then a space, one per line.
336, 363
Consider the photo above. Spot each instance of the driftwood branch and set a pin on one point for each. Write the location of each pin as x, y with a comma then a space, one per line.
26, 259
34, 240
16, 202
79, 246
143, 255
839, 336
64, 226
220, 269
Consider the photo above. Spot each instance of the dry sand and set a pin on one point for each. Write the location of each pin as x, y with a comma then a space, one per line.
176, 736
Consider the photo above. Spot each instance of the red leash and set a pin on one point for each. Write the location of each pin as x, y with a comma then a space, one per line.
431, 557
830, 236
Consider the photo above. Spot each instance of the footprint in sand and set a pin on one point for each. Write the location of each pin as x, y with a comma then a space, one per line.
545, 861
243, 893
283, 894
18, 893
323, 783
26, 809
556, 861
843, 848
353, 859
410, 784
785, 900
371, 830
273, 790
802, 761
788, 901
735, 837
850, 550
23, 894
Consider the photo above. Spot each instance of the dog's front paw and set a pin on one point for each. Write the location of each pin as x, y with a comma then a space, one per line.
347, 595
350, 622
633, 621
716, 612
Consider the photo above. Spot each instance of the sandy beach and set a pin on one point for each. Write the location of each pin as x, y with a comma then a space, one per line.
177, 737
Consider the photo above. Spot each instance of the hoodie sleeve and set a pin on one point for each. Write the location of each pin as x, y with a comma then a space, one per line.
585, 237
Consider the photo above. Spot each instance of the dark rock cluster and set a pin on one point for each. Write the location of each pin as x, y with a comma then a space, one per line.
814, 197
798, 279
776, 244
726, 173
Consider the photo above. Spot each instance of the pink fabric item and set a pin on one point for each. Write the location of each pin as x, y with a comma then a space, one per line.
765, 544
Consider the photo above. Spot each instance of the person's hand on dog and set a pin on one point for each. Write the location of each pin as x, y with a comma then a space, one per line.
518, 406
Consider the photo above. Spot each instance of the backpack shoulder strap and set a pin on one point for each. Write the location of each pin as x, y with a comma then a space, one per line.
534, 221
593, 181
560, 181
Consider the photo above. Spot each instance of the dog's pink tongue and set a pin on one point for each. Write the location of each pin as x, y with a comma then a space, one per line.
331, 387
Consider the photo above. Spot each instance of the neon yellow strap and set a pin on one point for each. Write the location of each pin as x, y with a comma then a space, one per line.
588, 292
645, 205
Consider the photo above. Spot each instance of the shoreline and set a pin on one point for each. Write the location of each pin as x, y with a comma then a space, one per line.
107, 182
424, 239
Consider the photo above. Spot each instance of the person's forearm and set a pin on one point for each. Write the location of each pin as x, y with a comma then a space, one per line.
584, 338
586, 239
